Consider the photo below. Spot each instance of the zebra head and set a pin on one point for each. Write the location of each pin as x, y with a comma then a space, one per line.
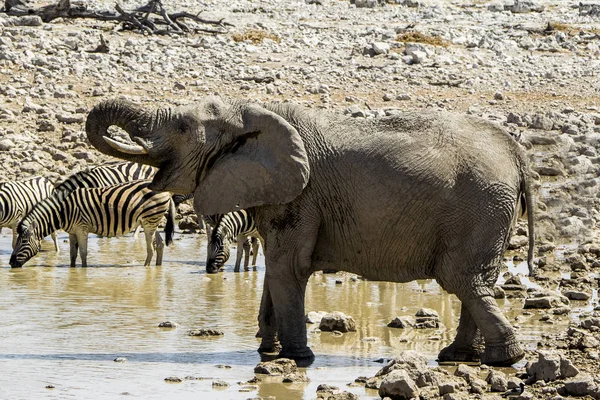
218, 253
28, 244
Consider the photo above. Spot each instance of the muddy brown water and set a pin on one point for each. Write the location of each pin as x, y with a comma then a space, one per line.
64, 327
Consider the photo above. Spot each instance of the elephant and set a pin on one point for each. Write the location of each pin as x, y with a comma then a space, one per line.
419, 195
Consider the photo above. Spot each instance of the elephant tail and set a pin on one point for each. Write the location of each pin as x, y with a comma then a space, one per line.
527, 205
170, 226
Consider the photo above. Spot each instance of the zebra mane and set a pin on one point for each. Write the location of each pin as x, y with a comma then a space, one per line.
46, 215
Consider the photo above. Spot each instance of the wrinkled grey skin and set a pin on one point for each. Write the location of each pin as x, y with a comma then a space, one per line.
416, 196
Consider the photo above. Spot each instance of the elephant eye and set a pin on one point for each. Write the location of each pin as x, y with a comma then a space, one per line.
183, 127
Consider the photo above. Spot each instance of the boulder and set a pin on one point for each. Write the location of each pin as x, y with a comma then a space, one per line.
337, 321
582, 385
402, 322
315, 317
398, 385
280, 366
550, 366
497, 381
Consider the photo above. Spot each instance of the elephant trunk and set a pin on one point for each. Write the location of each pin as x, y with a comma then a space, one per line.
136, 121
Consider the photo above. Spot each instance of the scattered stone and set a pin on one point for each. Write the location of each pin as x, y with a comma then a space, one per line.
576, 295
205, 332
295, 377
581, 385
497, 381
545, 299
168, 324
220, 384
280, 366
337, 321
6, 144
402, 322
173, 379
120, 359
427, 318
550, 366
398, 385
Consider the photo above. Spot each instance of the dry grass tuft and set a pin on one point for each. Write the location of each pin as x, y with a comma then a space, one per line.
418, 37
558, 26
256, 36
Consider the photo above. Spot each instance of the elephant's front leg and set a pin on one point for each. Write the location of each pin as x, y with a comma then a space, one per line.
287, 293
267, 325
288, 267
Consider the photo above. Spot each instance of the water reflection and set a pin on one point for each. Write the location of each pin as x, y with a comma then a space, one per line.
65, 326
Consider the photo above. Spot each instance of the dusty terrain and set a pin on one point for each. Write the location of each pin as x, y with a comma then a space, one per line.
530, 66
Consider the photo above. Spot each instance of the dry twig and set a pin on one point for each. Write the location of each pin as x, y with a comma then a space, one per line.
139, 19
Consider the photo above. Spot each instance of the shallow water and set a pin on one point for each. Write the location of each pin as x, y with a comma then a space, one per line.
65, 326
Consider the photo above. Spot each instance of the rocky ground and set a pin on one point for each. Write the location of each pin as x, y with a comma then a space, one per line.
531, 66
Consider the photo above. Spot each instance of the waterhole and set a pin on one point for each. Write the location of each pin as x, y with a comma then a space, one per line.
63, 328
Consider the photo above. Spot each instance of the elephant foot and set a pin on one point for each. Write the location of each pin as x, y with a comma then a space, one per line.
502, 355
456, 352
269, 346
298, 354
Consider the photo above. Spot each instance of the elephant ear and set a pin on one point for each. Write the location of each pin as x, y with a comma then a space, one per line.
266, 164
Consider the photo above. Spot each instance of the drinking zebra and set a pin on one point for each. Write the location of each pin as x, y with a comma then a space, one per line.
17, 198
237, 225
110, 173
107, 211
221, 229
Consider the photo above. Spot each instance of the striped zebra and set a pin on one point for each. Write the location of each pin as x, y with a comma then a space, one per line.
110, 173
238, 225
107, 211
17, 198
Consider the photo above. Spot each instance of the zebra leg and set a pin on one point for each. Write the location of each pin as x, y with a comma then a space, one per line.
160, 246
246, 251
73, 246
82, 241
137, 231
15, 236
149, 245
254, 251
53, 236
202, 226
239, 253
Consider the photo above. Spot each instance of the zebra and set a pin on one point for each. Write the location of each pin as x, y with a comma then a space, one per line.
110, 173
237, 225
107, 211
17, 198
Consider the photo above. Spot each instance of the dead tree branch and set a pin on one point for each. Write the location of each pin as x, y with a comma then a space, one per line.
152, 18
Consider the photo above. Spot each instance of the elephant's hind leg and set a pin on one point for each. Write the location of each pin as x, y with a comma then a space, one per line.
501, 345
468, 344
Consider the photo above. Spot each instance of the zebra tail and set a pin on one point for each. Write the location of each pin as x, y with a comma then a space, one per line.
170, 226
